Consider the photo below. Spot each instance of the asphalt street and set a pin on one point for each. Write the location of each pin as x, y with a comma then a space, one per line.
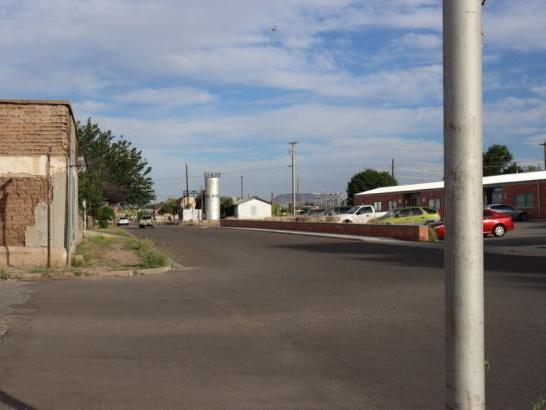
260, 320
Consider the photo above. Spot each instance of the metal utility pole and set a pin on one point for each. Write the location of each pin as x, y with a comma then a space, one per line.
48, 182
187, 189
463, 256
242, 191
544, 146
293, 166
392, 167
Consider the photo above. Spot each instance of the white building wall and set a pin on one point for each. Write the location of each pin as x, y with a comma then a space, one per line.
253, 209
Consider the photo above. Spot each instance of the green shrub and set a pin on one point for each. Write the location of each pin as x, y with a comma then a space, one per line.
151, 257
105, 214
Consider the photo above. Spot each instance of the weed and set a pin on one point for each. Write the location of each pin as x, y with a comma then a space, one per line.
539, 405
4, 275
40, 269
91, 249
151, 257
79, 273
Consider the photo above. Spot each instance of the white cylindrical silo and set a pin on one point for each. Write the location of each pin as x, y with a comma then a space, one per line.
212, 196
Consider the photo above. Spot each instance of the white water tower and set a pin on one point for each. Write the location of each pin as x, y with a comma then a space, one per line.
212, 196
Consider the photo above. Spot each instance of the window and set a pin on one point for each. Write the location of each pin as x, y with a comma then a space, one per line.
377, 206
525, 200
416, 212
364, 210
434, 203
404, 212
392, 205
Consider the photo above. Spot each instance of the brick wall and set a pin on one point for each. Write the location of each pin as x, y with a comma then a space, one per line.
29, 129
403, 232
509, 193
18, 200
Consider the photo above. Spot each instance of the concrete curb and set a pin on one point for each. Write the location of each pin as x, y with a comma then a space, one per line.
536, 251
367, 239
92, 274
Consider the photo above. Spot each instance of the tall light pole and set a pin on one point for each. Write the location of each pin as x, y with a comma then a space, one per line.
293, 166
242, 192
463, 256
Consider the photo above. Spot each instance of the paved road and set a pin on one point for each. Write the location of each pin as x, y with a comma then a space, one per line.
269, 321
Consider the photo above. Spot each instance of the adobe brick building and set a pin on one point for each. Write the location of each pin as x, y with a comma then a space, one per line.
39, 219
525, 191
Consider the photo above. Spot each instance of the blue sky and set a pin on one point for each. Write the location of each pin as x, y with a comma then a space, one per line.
211, 84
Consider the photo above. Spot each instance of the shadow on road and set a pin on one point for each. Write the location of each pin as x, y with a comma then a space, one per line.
532, 268
12, 403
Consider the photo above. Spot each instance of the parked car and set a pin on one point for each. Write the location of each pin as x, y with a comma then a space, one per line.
336, 210
494, 223
516, 214
146, 221
360, 214
411, 215
123, 221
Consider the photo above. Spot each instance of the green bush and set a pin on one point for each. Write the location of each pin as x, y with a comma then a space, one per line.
105, 214
151, 257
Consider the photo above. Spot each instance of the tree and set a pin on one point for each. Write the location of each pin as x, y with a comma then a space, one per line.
115, 172
170, 206
498, 160
366, 180
227, 206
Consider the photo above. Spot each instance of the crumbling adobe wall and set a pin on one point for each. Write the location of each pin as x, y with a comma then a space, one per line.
30, 129
19, 197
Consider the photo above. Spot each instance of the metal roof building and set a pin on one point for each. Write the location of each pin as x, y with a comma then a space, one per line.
524, 190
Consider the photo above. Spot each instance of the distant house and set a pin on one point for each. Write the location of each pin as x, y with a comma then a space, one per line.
39, 218
525, 190
253, 208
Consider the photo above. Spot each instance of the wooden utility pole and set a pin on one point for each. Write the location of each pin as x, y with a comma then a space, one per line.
392, 167
544, 146
187, 189
293, 154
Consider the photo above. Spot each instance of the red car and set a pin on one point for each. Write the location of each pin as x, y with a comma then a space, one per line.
493, 223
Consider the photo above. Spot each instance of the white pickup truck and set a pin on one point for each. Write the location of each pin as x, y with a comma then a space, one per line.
360, 214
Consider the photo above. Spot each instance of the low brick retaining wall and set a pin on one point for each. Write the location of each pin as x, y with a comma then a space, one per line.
403, 232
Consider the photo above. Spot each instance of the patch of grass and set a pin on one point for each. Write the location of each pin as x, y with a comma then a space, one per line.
40, 269
151, 256
539, 405
4, 275
92, 248
114, 230
79, 273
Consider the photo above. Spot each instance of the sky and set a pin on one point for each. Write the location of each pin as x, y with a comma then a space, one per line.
225, 85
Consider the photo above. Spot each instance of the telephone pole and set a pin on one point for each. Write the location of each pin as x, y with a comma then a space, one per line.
463, 256
544, 146
242, 192
392, 167
293, 166
187, 189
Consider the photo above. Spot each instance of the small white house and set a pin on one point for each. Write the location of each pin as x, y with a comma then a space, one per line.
253, 208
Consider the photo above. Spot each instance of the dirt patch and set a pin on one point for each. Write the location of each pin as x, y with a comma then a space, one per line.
119, 255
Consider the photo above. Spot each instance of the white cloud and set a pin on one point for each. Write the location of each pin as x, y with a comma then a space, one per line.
422, 41
540, 90
165, 96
